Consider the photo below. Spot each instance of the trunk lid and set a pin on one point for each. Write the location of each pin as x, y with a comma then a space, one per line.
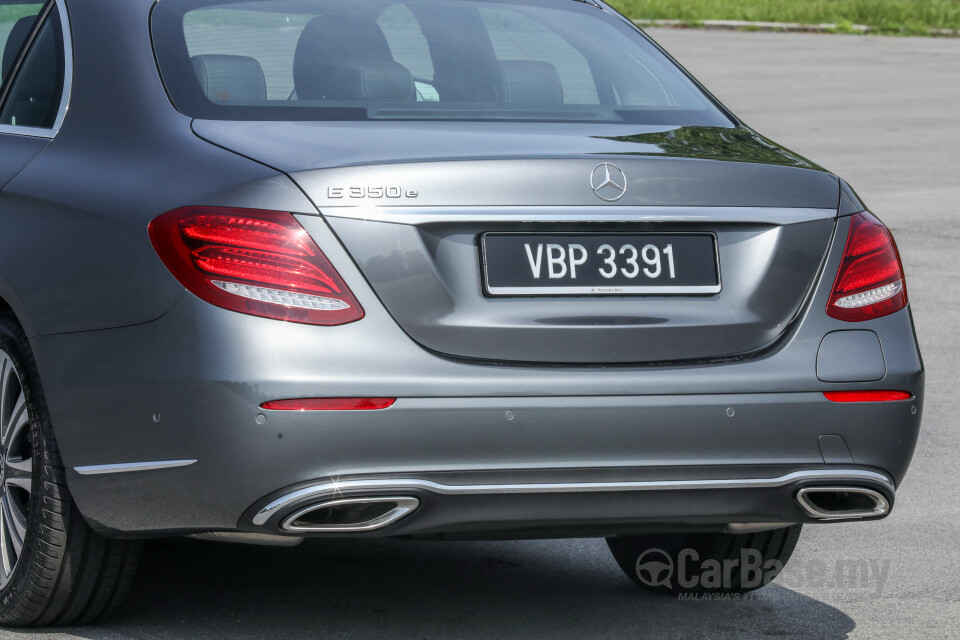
411, 203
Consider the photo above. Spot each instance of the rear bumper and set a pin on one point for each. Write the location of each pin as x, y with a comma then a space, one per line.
203, 372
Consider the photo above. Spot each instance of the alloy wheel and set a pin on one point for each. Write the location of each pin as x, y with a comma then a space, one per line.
16, 467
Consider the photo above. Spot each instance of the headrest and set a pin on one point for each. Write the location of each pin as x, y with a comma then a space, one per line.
230, 78
346, 56
455, 86
529, 82
358, 80
18, 35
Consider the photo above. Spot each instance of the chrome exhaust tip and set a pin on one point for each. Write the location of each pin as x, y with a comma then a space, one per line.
842, 503
349, 515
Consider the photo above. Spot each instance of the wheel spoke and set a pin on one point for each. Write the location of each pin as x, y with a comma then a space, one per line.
4, 547
23, 482
18, 419
21, 468
16, 522
5, 370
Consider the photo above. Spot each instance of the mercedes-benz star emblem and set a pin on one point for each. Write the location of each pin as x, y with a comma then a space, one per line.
608, 182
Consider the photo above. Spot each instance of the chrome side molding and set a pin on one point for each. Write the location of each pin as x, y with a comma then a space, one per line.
126, 467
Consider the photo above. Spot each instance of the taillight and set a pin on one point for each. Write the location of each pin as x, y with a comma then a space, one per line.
258, 262
870, 281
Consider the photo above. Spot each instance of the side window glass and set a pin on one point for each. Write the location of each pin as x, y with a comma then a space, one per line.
34, 96
16, 22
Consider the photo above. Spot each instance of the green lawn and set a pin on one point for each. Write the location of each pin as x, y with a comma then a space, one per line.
12, 13
910, 16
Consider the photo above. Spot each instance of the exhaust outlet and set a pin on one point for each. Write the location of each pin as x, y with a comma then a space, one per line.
842, 503
350, 515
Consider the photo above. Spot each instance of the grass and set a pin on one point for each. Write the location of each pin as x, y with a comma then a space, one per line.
885, 16
12, 13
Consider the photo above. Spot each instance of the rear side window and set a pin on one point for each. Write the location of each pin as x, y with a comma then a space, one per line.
33, 99
532, 60
16, 23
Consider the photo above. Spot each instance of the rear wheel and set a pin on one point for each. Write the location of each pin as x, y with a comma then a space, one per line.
54, 569
705, 562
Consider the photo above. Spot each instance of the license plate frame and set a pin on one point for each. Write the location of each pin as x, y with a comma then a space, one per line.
494, 284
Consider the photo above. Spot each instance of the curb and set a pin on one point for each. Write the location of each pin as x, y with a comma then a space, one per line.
789, 27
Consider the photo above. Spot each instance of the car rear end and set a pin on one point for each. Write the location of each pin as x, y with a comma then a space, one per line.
427, 268
509, 304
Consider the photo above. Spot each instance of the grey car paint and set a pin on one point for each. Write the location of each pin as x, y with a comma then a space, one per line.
18, 152
136, 370
459, 409
428, 275
850, 356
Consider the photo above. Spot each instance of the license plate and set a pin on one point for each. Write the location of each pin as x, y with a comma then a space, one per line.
517, 264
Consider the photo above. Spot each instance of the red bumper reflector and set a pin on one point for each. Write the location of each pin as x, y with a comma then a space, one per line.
329, 404
866, 396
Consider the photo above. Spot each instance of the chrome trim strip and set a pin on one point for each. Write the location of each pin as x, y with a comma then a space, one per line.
590, 213
601, 291
102, 469
29, 132
881, 508
67, 65
237, 537
403, 507
740, 528
337, 488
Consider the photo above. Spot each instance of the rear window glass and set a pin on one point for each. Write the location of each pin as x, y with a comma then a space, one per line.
537, 60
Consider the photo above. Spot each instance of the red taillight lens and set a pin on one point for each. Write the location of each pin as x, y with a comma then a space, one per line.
866, 396
870, 281
329, 404
257, 262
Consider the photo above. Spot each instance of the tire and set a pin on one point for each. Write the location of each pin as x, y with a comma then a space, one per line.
701, 563
54, 569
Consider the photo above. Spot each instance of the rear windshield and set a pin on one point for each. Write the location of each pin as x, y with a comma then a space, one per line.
476, 60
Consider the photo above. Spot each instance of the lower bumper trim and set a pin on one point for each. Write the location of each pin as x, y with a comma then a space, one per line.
337, 488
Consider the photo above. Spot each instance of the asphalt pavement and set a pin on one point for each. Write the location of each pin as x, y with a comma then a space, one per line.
884, 113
